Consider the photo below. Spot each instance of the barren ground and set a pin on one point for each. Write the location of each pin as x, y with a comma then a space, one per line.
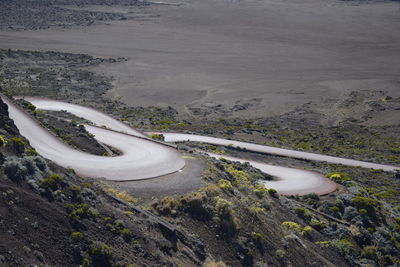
268, 56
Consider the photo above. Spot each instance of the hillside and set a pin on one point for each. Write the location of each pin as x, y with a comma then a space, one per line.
51, 216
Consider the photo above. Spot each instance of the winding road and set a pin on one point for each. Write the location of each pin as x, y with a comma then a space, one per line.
140, 159
143, 158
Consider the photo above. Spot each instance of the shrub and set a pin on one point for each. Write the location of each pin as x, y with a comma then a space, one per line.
344, 246
51, 183
211, 190
39, 255
317, 225
224, 216
240, 178
3, 141
17, 144
365, 202
260, 190
14, 169
225, 185
100, 253
76, 190
312, 196
167, 205
194, 204
306, 231
370, 252
127, 234
40, 163
80, 211
31, 152
159, 137
107, 219
255, 210
30, 106
303, 213
334, 209
292, 226
77, 236
85, 262
339, 177
273, 192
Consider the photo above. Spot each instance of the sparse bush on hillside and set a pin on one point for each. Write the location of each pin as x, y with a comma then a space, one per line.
31, 152
101, 254
77, 236
3, 141
81, 211
195, 204
273, 193
52, 183
225, 185
167, 205
17, 144
14, 169
260, 190
224, 216
339, 177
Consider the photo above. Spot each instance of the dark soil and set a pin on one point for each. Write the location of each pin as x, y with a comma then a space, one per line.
43, 14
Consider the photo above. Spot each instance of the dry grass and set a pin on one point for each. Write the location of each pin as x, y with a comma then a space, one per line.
121, 195
212, 263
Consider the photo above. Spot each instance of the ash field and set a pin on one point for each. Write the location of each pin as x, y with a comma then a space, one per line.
253, 58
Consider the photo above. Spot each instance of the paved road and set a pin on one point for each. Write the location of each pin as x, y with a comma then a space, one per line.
290, 181
177, 137
142, 158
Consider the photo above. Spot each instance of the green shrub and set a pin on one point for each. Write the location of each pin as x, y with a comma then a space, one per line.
334, 209
224, 216
292, 226
100, 253
30, 106
17, 144
3, 141
366, 205
159, 137
273, 192
107, 219
85, 262
225, 185
344, 246
339, 177
76, 189
53, 182
317, 225
365, 202
370, 252
240, 178
31, 152
306, 231
127, 234
77, 236
260, 190
80, 211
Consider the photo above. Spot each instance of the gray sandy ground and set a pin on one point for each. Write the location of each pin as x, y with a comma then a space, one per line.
203, 53
177, 183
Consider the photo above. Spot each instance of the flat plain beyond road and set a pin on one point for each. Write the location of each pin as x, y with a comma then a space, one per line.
284, 53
